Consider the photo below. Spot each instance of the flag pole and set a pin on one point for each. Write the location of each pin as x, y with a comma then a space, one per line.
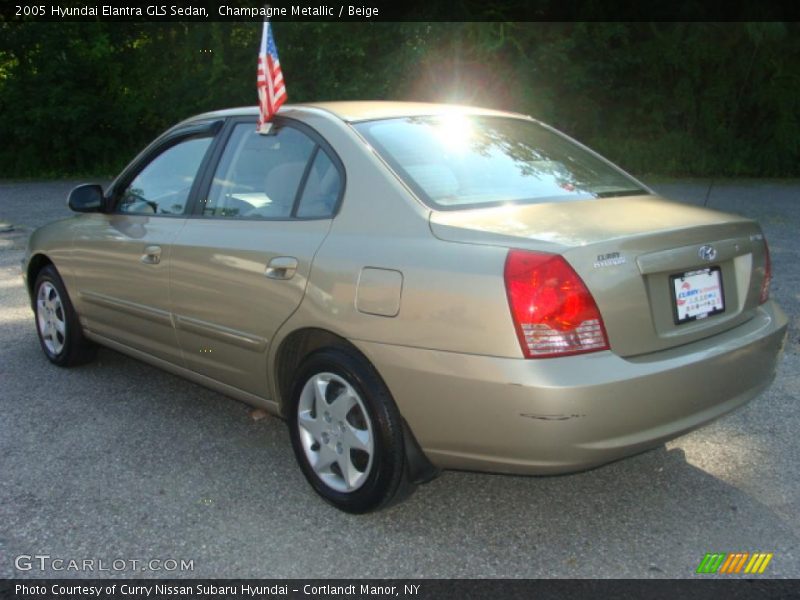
264, 128
269, 78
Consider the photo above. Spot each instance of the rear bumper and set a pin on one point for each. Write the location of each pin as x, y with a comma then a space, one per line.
568, 414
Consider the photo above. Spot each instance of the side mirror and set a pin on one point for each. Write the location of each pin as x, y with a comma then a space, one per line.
86, 198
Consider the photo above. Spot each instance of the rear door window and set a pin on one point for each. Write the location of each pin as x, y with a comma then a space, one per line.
322, 188
259, 176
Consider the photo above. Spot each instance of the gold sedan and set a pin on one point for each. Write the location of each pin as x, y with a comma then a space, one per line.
414, 287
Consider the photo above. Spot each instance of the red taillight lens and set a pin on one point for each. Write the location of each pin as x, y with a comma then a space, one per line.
767, 275
553, 311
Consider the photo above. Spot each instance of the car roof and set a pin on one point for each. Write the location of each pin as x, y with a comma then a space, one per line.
353, 111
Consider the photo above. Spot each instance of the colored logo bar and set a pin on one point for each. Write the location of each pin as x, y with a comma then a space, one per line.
733, 563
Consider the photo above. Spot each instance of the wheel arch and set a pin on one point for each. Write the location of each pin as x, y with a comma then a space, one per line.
294, 348
36, 263
299, 344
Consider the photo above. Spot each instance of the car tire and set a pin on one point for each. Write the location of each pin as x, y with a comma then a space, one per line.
57, 324
347, 433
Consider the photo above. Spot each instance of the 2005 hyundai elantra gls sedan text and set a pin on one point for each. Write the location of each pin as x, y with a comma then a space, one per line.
414, 287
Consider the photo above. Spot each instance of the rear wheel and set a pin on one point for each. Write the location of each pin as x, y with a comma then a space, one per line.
57, 324
347, 432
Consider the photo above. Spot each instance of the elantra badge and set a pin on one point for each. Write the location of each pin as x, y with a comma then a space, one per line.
708, 253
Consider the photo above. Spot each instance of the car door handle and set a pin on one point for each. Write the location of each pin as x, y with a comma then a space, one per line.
152, 255
281, 267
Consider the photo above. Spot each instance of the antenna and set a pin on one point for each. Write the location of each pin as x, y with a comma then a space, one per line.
708, 192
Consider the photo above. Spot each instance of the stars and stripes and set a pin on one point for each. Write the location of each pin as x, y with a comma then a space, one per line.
271, 89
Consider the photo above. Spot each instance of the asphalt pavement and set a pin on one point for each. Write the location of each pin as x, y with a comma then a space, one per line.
120, 461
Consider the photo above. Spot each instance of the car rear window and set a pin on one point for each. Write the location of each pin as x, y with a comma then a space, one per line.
461, 161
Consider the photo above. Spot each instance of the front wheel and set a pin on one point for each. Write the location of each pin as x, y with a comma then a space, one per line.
347, 432
57, 323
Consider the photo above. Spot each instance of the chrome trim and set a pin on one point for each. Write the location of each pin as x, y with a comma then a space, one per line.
223, 334
156, 315
685, 257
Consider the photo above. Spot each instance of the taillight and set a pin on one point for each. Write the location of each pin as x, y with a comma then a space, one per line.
767, 274
554, 313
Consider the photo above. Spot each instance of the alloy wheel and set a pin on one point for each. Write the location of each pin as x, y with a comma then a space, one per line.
336, 432
51, 318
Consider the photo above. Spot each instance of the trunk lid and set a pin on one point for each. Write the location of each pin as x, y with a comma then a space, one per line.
627, 250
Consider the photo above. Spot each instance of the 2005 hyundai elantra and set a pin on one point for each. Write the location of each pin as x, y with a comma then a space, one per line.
414, 287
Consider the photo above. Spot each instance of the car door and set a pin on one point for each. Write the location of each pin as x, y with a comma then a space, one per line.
121, 256
239, 268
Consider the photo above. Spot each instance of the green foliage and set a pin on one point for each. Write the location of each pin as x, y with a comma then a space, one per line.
713, 99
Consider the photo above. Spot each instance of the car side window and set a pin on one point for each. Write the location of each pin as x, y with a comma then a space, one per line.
258, 176
162, 187
322, 188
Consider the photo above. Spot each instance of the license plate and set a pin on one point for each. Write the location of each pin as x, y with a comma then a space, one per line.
697, 294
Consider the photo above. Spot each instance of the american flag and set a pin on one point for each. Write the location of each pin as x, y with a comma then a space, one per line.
271, 90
